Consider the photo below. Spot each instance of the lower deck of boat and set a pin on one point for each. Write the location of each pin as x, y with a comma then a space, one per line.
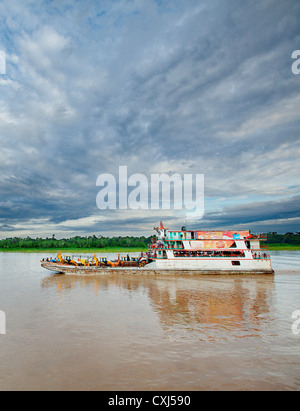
93, 270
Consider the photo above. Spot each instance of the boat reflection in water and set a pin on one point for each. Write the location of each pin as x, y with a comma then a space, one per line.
210, 308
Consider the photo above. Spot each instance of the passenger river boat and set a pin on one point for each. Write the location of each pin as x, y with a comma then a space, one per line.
179, 252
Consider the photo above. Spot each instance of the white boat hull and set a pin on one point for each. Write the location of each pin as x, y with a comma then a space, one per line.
216, 265
170, 267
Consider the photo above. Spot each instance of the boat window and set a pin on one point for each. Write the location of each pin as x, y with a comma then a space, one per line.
235, 262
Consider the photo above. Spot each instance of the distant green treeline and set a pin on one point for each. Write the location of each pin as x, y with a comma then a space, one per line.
74, 243
90, 242
284, 239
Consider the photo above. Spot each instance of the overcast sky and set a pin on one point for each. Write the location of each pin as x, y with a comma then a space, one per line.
159, 86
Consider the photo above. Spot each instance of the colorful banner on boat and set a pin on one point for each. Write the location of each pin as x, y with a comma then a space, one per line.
211, 244
222, 235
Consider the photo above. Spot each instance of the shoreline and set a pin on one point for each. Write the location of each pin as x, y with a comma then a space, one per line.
271, 247
281, 247
74, 250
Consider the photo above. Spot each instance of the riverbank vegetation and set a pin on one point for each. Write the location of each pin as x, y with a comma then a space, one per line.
75, 244
88, 244
287, 241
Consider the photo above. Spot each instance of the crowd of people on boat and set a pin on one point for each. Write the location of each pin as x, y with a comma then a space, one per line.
49, 260
260, 255
210, 253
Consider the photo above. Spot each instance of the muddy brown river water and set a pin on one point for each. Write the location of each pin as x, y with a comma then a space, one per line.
141, 333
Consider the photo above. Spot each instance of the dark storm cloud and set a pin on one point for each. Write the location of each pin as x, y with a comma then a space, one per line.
188, 87
255, 212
